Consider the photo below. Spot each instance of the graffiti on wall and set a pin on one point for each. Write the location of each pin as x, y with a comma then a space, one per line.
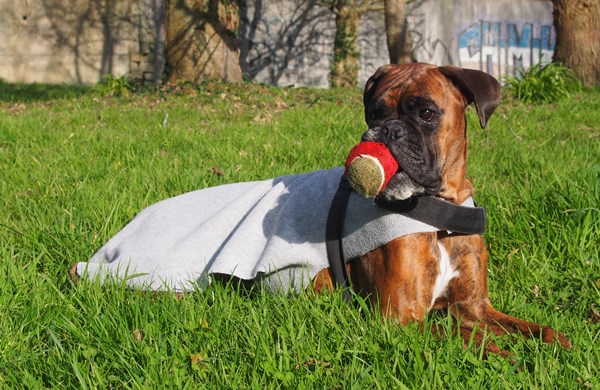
430, 49
505, 48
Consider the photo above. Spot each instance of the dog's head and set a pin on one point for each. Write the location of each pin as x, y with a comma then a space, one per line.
418, 111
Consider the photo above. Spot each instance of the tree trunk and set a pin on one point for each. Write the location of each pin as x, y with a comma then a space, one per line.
344, 72
202, 40
577, 25
396, 31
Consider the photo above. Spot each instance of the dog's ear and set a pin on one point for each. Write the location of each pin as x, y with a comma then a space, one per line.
371, 87
478, 87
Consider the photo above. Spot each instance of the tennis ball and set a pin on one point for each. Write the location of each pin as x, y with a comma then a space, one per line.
369, 167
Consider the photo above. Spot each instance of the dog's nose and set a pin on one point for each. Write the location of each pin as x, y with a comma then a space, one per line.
376, 134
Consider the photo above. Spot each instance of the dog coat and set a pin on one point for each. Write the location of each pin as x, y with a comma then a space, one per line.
273, 230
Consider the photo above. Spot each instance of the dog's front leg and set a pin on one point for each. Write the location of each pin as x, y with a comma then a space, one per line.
399, 276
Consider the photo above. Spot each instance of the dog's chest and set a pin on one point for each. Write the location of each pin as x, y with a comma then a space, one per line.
445, 274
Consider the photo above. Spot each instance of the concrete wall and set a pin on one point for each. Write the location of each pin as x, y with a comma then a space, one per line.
79, 41
291, 43
496, 36
283, 43
287, 42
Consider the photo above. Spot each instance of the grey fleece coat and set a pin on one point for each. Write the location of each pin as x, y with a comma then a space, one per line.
272, 229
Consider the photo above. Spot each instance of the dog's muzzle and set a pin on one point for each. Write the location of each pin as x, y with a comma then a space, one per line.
414, 152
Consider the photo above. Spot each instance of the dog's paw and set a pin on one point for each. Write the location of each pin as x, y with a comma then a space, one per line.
73, 274
550, 335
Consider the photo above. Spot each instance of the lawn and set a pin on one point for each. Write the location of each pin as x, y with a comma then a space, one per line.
76, 165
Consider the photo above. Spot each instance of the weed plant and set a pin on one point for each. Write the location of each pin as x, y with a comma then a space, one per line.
76, 167
113, 86
543, 83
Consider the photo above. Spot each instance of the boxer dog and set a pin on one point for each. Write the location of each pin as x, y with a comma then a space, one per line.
418, 111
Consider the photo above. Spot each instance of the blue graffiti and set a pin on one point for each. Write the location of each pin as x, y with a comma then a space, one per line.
546, 38
507, 44
489, 34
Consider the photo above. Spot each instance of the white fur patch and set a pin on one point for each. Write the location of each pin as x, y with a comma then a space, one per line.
446, 274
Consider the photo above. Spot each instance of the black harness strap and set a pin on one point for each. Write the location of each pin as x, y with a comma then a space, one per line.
432, 211
440, 214
333, 238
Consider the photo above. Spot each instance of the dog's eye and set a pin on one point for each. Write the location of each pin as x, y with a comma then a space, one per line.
426, 114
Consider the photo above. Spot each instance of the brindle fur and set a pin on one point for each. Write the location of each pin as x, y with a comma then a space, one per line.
399, 276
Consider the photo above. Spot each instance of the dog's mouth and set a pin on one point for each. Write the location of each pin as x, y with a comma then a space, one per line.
402, 187
418, 172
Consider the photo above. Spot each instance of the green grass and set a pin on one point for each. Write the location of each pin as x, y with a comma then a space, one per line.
36, 92
76, 166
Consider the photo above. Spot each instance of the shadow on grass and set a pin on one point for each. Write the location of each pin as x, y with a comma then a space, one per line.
28, 93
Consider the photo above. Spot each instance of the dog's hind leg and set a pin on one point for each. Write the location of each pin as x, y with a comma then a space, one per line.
501, 323
491, 320
467, 295
477, 337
